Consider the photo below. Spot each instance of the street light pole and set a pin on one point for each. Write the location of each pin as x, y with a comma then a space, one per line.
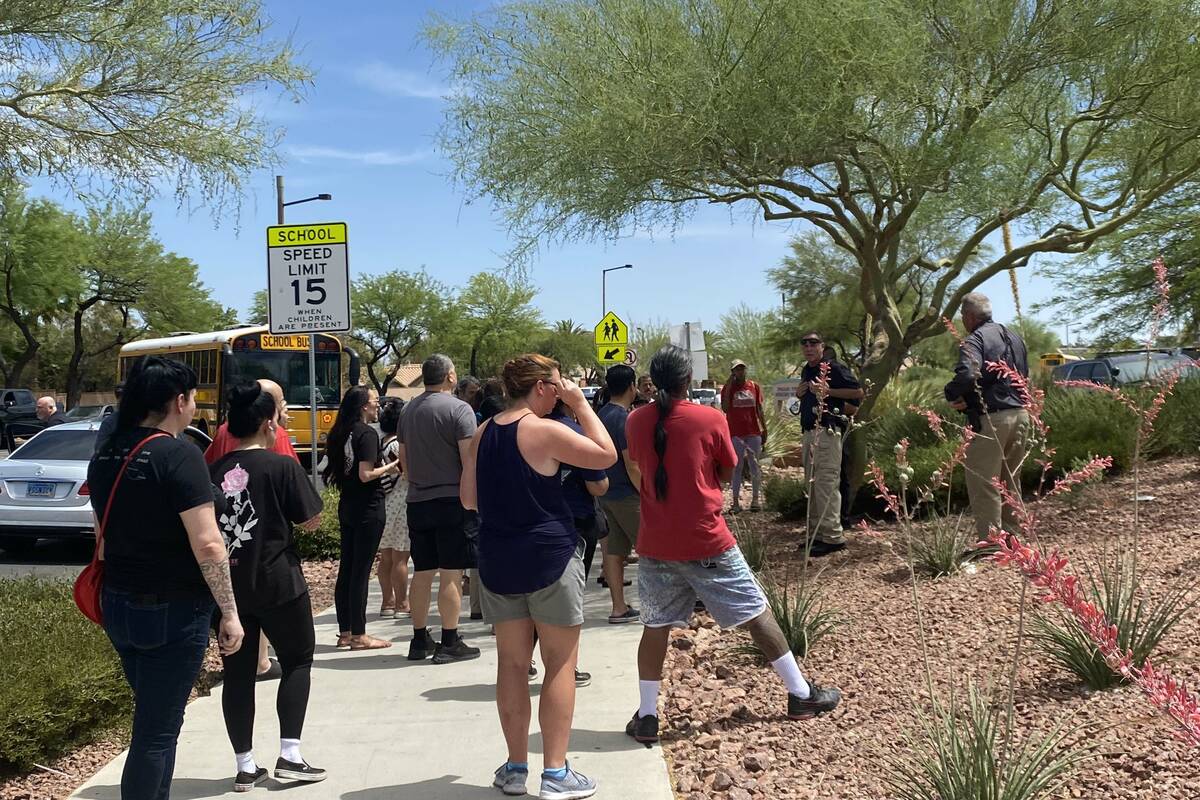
604, 287
280, 205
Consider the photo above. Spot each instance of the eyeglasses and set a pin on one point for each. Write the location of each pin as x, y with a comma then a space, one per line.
810, 341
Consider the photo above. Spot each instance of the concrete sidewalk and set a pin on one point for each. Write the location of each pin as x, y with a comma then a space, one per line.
389, 729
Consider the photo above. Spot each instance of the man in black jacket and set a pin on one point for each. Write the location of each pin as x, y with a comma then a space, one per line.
995, 411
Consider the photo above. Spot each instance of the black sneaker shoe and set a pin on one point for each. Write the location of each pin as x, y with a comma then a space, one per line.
291, 771
643, 729
459, 651
820, 549
245, 781
582, 679
421, 649
820, 701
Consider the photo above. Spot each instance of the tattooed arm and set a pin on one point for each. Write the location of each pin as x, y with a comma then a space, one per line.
208, 546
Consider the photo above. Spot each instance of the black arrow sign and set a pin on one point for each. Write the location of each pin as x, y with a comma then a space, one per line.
609, 355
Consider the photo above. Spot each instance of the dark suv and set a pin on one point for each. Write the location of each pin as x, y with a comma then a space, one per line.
1126, 369
18, 411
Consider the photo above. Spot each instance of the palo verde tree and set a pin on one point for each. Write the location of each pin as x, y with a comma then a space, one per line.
867, 119
139, 93
394, 313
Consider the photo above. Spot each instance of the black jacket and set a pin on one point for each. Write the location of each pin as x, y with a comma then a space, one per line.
990, 342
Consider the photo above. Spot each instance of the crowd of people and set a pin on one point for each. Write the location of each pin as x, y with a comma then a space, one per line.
509, 486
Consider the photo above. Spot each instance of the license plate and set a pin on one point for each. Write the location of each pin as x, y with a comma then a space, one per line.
34, 489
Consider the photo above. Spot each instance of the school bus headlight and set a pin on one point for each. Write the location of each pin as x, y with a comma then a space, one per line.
326, 419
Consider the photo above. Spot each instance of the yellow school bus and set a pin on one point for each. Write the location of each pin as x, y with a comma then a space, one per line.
1051, 360
222, 359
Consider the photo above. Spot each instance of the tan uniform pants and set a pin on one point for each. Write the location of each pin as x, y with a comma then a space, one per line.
996, 452
822, 473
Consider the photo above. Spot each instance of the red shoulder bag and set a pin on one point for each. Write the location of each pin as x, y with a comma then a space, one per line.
91, 580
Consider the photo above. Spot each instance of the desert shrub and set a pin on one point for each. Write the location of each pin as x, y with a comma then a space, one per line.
1141, 623
325, 543
939, 544
62, 681
1175, 431
784, 436
752, 544
802, 616
1085, 423
787, 496
959, 754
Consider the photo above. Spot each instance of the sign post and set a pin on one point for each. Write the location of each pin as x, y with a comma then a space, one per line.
612, 340
308, 291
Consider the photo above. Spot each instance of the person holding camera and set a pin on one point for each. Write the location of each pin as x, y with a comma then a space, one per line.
995, 412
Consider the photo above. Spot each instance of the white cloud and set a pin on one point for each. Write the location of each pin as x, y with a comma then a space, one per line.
390, 80
377, 158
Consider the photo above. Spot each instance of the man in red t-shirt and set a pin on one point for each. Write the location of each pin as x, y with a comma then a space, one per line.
684, 453
742, 402
223, 443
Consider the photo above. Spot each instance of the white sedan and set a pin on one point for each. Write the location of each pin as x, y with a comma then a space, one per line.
43, 486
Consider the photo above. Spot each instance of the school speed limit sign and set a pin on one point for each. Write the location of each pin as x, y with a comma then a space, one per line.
308, 278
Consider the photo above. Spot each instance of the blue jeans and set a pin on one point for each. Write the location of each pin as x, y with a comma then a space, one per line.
161, 642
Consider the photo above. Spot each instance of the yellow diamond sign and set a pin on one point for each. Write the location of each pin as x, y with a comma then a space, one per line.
611, 332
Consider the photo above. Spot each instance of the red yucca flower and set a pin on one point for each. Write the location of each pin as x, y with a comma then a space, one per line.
1163, 288
933, 418
1096, 466
953, 329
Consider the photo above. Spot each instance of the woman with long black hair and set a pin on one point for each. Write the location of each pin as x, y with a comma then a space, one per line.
266, 493
353, 465
685, 454
165, 563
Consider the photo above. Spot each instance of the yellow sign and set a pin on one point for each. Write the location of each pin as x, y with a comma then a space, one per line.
288, 342
611, 331
611, 354
305, 235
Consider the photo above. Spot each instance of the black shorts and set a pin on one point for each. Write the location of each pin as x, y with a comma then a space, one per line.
439, 531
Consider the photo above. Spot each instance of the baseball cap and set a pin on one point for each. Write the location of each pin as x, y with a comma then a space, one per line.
737, 362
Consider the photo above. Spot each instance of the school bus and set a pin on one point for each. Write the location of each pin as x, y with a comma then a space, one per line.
1051, 360
222, 359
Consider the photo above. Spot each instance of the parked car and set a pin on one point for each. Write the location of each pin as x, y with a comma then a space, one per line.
43, 486
590, 392
91, 412
1126, 369
17, 408
706, 397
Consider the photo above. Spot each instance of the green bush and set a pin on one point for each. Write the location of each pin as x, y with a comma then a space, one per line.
940, 544
787, 496
325, 543
802, 616
61, 682
1175, 431
1084, 423
752, 544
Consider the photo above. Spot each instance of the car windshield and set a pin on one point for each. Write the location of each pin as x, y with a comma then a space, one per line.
706, 393
52, 445
1134, 370
85, 411
290, 370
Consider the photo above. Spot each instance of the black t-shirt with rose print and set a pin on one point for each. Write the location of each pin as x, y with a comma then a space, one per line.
265, 495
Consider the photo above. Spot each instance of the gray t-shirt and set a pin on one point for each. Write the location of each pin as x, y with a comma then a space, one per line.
431, 426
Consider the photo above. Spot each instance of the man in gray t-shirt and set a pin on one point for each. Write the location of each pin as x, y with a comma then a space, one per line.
435, 432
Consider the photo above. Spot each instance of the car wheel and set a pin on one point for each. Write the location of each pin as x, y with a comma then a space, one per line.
18, 546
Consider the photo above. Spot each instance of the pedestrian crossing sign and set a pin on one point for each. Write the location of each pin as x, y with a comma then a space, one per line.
611, 332
611, 353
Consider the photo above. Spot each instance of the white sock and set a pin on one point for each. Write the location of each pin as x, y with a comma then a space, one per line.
289, 750
245, 762
649, 693
789, 670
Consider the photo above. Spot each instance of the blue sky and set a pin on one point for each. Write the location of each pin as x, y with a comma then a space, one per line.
365, 133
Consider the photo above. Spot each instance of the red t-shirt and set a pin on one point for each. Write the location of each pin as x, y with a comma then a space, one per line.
743, 408
223, 443
687, 525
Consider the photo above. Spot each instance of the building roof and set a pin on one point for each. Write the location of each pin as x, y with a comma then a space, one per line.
408, 376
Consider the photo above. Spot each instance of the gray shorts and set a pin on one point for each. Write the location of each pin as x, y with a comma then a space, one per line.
669, 589
560, 603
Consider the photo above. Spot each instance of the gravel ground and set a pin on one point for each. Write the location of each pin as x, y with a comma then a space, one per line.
724, 730
72, 770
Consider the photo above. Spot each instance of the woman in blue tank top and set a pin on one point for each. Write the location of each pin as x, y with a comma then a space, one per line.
530, 564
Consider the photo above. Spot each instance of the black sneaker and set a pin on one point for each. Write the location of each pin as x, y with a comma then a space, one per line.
643, 729
245, 781
820, 549
582, 679
820, 701
421, 649
291, 771
459, 651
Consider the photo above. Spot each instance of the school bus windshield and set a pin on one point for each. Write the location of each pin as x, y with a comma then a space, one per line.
290, 370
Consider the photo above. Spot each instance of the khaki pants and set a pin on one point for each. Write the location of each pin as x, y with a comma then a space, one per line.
822, 473
996, 452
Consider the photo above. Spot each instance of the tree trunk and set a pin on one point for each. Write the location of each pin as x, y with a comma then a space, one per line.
74, 373
474, 358
878, 373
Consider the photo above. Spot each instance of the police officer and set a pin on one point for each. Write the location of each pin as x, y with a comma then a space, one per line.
994, 411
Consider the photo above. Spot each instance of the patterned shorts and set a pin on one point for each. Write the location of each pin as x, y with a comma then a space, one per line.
669, 589
395, 530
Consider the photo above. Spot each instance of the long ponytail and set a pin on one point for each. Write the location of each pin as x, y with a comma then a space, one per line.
671, 371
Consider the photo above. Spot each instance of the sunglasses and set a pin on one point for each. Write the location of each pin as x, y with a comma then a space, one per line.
810, 341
